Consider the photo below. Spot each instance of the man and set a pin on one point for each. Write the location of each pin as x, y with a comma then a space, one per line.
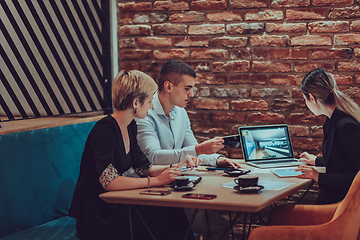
165, 135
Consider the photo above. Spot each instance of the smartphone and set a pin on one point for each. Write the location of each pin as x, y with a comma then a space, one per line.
199, 196
156, 192
232, 141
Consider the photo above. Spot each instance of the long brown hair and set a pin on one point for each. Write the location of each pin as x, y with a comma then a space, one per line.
322, 85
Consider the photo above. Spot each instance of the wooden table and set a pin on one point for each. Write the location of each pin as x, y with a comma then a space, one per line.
227, 199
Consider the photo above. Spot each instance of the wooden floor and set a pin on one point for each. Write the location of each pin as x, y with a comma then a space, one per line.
44, 122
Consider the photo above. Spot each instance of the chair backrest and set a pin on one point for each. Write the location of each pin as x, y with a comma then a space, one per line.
348, 210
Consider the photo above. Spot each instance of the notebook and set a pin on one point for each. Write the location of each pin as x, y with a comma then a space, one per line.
267, 146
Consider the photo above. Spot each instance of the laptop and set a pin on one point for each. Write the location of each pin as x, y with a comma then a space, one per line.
267, 146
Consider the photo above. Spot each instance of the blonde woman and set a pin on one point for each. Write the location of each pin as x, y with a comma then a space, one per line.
340, 147
111, 149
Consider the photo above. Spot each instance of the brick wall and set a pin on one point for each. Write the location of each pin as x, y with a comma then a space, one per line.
249, 55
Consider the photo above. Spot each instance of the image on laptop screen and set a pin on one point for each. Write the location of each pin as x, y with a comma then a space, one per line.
266, 142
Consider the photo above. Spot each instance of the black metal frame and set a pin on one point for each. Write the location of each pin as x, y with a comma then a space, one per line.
61, 76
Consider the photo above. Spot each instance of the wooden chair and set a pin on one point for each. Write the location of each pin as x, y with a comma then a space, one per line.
339, 221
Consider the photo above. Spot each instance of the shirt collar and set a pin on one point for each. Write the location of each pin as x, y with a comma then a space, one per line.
158, 109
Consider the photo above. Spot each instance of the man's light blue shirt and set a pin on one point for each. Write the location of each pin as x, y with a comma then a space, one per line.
166, 140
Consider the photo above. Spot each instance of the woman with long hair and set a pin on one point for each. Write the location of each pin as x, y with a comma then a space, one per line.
110, 150
341, 143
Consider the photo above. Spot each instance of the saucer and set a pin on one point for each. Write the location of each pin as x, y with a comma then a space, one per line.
188, 187
252, 189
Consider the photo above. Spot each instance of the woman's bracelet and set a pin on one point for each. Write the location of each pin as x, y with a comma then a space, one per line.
149, 181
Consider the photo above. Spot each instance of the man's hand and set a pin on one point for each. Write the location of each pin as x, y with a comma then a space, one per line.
209, 146
223, 161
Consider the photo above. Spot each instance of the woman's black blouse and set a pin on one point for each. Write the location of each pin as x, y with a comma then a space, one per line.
104, 146
341, 156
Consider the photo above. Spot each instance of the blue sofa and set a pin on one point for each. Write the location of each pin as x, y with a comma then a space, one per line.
38, 173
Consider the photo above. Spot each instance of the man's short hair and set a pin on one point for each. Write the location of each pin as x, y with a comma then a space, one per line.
173, 71
131, 85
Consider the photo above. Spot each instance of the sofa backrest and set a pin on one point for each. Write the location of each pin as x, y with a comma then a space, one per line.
38, 173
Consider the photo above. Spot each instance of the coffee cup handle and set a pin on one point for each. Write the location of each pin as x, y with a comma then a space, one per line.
236, 181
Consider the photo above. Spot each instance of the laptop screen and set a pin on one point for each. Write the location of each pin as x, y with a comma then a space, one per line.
266, 142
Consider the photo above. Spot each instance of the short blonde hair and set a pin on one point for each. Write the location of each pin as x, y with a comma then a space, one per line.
131, 85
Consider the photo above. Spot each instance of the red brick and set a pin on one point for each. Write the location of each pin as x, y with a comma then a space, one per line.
170, 5
298, 131
202, 66
303, 14
134, 30
152, 66
331, 53
209, 54
209, 128
285, 105
249, 104
351, 66
288, 53
357, 78
168, 54
269, 92
231, 66
355, 26
196, 116
347, 39
154, 42
135, 7
329, 26
287, 80
228, 42
357, 52
209, 103
308, 66
343, 79
249, 53
306, 119
273, 40
206, 29
227, 16
331, 2
264, 15
134, 54
158, 17
265, 118
289, 3
245, 28
270, 66
307, 144
187, 17
296, 92
258, 79
169, 29
126, 43
129, 65
248, 3
201, 91
231, 92
125, 18
346, 12
190, 41
227, 117
316, 131
285, 27
311, 40
141, 18
236, 153
206, 78
208, 5
352, 92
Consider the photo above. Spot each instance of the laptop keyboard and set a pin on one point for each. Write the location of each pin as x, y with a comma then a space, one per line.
272, 161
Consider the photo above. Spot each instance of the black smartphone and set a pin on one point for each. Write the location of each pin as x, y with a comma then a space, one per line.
199, 196
232, 141
156, 192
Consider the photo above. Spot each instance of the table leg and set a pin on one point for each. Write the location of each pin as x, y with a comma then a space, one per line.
207, 223
231, 227
251, 217
244, 225
191, 222
145, 224
305, 192
131, 230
